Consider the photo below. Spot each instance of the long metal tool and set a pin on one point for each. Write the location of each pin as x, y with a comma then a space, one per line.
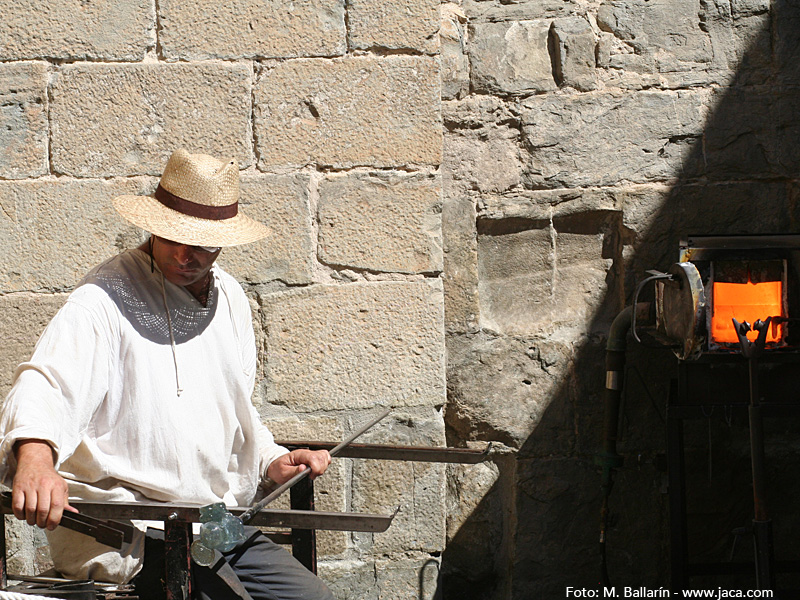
249, 513
762, 524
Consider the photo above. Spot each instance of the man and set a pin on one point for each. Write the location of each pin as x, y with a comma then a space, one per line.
139, 390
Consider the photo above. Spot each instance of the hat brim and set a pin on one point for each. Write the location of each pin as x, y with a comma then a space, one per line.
149, 214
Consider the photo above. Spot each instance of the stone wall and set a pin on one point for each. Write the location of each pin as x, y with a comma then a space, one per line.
582, 140
463, 196
333, 112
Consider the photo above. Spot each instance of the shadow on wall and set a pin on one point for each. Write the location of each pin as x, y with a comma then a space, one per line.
535, 532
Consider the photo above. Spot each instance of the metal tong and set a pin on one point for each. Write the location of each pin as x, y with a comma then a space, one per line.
110, 533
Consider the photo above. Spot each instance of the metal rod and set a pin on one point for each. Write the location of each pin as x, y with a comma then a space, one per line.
762, 526
247, 515
468, 456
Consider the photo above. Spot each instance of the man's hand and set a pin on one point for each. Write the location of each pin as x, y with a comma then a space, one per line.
287, 466
39, 494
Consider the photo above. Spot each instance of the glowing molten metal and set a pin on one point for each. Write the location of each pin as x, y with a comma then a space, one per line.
746, 302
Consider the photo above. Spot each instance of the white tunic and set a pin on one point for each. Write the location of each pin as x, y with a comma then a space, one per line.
102, 388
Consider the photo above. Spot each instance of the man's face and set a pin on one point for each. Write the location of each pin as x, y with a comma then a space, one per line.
181, 264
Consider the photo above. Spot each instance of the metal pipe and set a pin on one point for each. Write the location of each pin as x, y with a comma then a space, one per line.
612, 394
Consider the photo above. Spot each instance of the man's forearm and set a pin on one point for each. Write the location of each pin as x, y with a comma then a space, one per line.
39, 451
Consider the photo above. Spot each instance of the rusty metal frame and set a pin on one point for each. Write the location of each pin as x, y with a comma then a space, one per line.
301, 519
178, 519
190, 513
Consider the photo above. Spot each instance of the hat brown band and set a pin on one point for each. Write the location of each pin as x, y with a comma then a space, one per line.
193, 209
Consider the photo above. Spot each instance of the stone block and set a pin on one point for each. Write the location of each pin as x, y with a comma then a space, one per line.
555, 504
23, 120
23, 317
751, 134
661, 216
347, 112
389, 222
413, 576
518, 10
202, 107
574, 46
52, 232
251, 29
486, 163
334, 347
468, 488
28, 552
417, 488
787, 40
588, 140
667, 31
417, 426
535, 280
682, 44
742, 35
395, 578
399, 25
77, 30
461, 307
544, 205
481, 150
480, 515
480, 112
511, 58
453, 52
350, 579
281, 202
503, 389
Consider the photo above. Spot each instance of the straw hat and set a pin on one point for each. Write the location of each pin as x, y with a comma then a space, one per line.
196, 203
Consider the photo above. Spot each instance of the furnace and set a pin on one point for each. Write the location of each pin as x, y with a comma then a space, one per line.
730, 311
721, 278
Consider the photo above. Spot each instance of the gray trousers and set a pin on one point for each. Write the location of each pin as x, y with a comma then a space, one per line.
257, 569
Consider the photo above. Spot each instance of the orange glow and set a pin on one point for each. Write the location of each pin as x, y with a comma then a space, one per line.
745, 302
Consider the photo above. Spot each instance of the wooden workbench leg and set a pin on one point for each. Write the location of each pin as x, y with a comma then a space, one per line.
304, 541
177, 560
